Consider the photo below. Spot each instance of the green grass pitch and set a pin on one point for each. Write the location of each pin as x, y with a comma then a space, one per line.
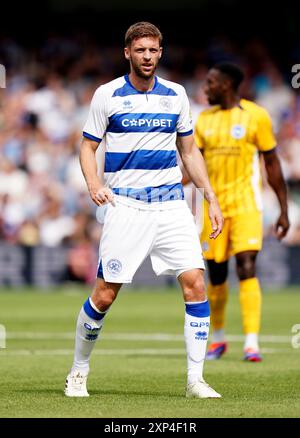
138, 368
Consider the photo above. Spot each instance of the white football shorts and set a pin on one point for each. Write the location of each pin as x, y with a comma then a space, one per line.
130, 234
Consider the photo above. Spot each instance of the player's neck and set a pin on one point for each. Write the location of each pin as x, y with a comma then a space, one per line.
141, 84
230, 101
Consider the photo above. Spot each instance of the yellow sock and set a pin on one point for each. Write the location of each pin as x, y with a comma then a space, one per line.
250, 300
217, 296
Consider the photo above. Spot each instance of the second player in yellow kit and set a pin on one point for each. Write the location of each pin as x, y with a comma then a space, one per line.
231, 140
231, 135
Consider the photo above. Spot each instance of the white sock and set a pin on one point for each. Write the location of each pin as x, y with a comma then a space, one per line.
251, 341
196, 329
89, 323
218, 336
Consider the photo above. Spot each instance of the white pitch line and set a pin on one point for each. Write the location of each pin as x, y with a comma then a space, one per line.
117, 352
273, 339
103, 352
111, 336
165, 337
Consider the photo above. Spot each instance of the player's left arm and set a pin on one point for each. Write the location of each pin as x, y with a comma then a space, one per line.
276, 181
195, 167
266, 143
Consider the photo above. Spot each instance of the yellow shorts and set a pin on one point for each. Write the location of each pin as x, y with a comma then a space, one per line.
243, 232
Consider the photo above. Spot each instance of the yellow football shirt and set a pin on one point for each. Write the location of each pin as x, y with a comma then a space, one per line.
230, 141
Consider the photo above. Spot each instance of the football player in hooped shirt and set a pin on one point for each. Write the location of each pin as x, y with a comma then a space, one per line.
142, 117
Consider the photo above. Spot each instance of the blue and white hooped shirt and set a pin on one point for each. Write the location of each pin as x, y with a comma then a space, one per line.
140, 130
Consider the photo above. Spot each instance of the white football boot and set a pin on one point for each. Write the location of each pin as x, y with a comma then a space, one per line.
201, 389
76, 385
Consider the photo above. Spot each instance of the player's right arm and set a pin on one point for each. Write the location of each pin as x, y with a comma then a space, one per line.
98, 192
93, 133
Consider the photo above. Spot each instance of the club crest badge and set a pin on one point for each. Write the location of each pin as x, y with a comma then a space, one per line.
238, 132
114, 267
165, 103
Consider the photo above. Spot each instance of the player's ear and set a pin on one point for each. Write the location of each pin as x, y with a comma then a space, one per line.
160, 52
227, 84
126, 53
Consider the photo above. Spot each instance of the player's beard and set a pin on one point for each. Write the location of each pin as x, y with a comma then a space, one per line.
212, 100
142, 74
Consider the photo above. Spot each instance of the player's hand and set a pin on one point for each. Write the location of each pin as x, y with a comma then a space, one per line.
216, 218
282, 226
101, 195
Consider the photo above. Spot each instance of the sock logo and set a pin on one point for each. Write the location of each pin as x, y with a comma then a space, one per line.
91, 332
199, 324
201, 336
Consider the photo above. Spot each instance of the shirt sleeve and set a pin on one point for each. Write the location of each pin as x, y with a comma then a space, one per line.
198, 134
265, 139
97, 120
185, 123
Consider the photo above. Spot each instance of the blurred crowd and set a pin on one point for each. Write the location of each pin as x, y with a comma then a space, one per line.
43, 197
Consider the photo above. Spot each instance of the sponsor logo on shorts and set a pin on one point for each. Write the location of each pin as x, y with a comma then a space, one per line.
253, 241
114, 267
205, 246
238, 131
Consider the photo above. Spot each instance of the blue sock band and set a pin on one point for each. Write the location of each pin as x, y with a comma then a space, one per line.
91, 312
198, 310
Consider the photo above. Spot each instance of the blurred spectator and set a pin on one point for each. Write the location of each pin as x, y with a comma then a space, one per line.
55, 226
275, 95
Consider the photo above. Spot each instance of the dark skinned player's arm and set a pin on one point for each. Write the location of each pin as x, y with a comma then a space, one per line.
276, 181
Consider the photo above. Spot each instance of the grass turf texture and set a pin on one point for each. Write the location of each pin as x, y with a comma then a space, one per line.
135, 374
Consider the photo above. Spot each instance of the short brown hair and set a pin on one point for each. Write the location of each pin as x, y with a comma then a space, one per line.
140, 30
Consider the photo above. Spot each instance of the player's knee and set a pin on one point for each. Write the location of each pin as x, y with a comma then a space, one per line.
246, 269
195, 290
218, 279
218, 272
